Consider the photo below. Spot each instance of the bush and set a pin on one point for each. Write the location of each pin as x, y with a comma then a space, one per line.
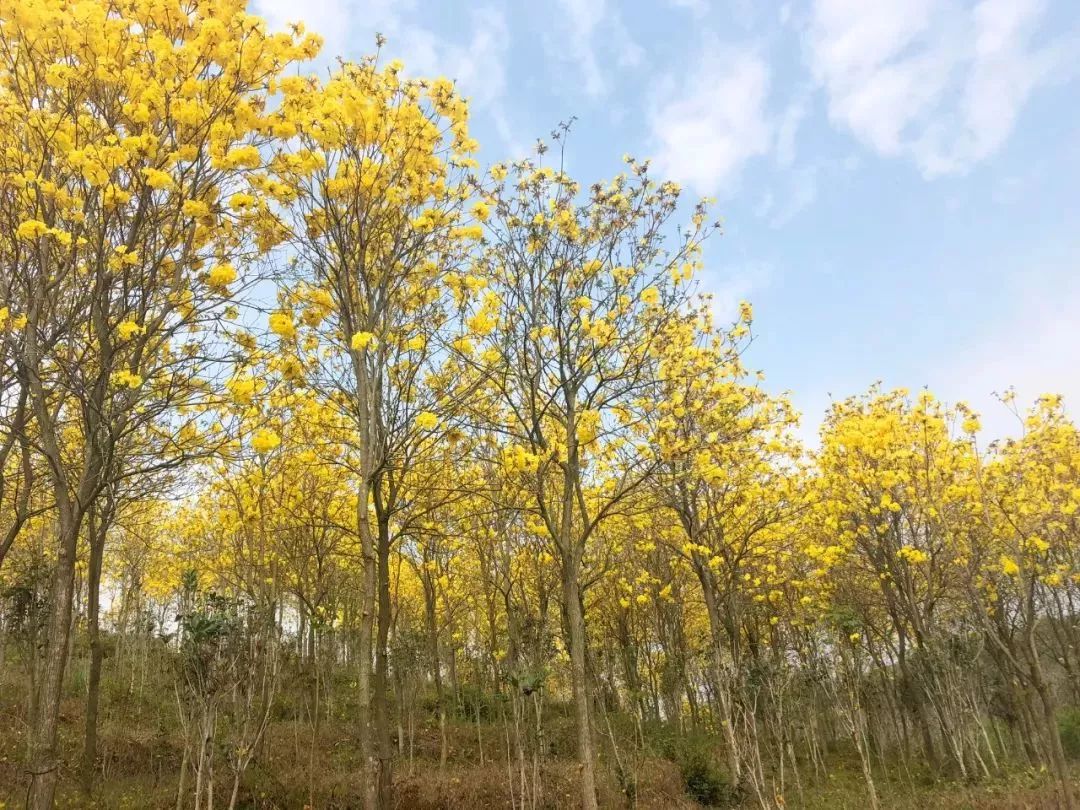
705, 781
706, 784
475, 700
1069, 728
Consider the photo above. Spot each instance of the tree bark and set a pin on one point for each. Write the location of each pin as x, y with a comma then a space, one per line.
363, 678
716, 627
43, 756
381, 691
436, 664
1049, 710
98, 529
575, 621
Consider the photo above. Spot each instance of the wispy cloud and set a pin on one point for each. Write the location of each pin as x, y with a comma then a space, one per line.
705, 126
699, 8
1032, 350
927, 79
478, 65
732, 284
799, 189
330, 19
583, 18
591, 38
788, 128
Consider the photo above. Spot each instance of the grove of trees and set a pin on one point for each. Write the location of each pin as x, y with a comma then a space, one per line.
318, 436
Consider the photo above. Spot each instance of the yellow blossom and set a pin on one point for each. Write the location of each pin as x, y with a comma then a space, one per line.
126, 379
157, 179
195, 208
281, 324
264, 440
912, 555
31, 229
128, 329
221, 276
361, 340
426, 420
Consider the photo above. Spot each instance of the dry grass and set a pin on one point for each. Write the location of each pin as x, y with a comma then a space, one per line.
141, 755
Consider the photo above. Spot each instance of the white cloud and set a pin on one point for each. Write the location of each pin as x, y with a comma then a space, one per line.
706, 127
1033, 351
699, 8
478, 66
797, 190
583, 18
730, 285
801, 193
628, 53
516, 148
787, 129
330, 19
593, 40
929, 79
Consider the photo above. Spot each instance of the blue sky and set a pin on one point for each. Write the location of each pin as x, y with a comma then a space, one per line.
899, 180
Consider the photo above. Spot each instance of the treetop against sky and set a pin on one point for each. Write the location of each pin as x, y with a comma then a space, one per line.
897, 180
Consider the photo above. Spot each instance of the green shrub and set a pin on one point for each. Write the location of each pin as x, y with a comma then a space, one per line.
1069, 727
707, 784
705, 781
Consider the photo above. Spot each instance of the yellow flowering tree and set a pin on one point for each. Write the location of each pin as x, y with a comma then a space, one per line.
375, 182
561, 324
729, 473
895, 485
1022, 556
128, 133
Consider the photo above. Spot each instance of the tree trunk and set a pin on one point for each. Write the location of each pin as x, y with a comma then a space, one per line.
315, 710
43, 757
181, 789
93, 693
724, 697
1049, 710
363, 678
575, 621
99, 526
915, 692
382, 709
436, 665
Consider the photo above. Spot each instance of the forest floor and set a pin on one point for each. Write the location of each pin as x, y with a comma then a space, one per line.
141, 754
